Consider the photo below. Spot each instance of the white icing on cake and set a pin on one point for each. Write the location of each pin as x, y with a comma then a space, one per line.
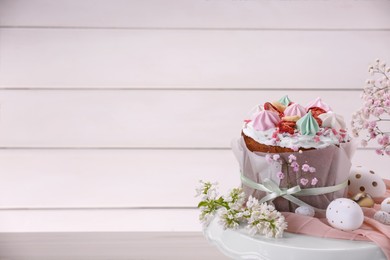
327, 137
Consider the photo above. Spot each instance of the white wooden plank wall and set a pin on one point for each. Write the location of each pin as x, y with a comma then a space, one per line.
111, 111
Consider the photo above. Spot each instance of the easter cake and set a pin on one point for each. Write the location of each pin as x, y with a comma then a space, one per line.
286, 147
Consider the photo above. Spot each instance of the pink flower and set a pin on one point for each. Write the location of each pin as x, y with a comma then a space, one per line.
305, 167
295, 166
312, 169
276, 157
379, 152
378, 111
280, 175
376, 103
304, 181
316, 139
364, 143
314, 181
366, 111
292, 158
268, 158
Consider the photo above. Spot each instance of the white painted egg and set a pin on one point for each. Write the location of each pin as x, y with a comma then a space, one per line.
344, 214
364, 180
382, 217
385, 205
305, 211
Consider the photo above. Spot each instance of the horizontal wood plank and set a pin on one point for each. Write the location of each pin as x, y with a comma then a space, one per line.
107, 245
75, 58
88, 178
138, 118
58, 179
345, 14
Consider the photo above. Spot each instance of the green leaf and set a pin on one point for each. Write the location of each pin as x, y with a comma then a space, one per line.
202, 203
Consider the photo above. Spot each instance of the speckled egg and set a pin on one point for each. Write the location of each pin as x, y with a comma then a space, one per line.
305, 211
385, 205
382, 217
344, 214
364, 180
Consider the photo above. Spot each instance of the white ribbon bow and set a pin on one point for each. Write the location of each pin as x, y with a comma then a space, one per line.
274, 191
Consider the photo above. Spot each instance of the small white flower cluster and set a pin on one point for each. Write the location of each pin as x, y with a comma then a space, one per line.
207, 190
209, 204
261, 219
375, 113
229, 218
264, 219
235, 198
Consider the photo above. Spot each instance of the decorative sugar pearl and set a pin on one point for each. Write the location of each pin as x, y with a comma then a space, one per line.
385, 205
364, 180
305, 211
382, 217
344, 214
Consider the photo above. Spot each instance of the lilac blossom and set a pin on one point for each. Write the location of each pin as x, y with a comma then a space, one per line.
232, 211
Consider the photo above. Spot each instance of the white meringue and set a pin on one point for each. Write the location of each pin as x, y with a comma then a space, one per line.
332, 120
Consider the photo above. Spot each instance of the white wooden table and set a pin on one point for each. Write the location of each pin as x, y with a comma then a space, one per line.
106, 246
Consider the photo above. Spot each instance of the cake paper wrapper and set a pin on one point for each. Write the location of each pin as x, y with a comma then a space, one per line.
332, 165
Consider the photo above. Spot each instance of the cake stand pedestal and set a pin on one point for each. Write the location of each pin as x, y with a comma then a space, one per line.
238, 244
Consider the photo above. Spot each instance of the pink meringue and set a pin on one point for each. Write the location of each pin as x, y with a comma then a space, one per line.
265, 120
318, 103
295, 110
255, 111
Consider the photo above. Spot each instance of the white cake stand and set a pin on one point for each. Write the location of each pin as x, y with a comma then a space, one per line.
238, 244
